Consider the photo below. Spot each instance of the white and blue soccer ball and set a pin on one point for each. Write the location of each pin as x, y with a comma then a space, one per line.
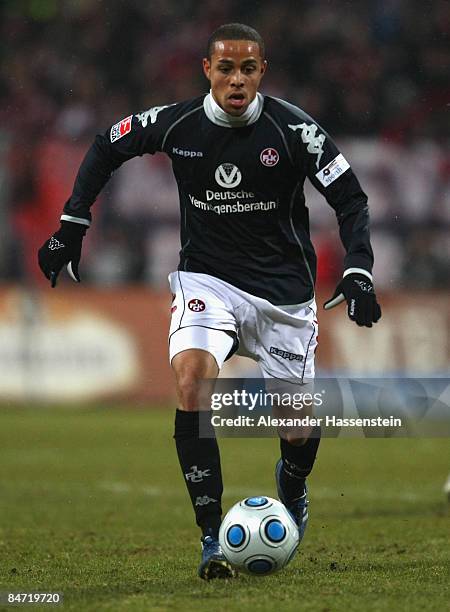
258, 536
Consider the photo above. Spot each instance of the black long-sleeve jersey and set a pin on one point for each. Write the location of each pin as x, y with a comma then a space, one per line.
243, 213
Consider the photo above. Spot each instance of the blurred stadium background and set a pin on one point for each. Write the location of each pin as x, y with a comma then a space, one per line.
376, 75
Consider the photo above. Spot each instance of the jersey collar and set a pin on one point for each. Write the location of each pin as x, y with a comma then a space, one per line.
218, 116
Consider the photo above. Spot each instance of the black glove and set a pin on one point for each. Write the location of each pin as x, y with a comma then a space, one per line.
64, 247
357, 290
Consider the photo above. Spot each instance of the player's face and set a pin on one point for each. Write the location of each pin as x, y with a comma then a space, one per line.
235, 71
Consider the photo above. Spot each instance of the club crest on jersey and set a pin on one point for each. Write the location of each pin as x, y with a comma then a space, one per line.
228, 176
121, 129
269, 157
196, 305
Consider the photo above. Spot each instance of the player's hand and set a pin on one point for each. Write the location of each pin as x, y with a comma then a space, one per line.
362, 306
63, 248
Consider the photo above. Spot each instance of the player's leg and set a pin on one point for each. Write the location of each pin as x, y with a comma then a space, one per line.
286, 340
202, 335
298, 447
296, 463
199, 456
198, 451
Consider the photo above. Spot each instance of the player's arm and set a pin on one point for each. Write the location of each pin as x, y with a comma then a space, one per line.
332, 175
133, 136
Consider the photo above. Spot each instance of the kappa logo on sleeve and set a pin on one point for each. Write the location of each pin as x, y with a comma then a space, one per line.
333, 170
151, 113
315, 143
121, 129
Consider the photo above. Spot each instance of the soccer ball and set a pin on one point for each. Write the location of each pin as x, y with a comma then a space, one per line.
258, 536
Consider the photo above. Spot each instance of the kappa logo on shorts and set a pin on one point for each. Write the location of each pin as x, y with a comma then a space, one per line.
196, 305
285, 354
269, 157
121, 129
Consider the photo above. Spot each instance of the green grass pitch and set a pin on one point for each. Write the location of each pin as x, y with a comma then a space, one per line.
92, 504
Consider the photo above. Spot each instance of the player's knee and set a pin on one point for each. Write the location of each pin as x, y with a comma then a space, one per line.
189, 391
193, 378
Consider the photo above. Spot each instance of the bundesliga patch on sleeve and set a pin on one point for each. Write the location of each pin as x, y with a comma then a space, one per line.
333, 170
121, 129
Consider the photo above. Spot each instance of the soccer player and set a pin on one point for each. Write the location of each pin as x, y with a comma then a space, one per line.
245, 282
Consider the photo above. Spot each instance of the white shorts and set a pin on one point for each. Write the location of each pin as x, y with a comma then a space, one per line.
281, 339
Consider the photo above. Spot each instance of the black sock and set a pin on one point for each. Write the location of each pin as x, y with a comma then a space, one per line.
200, 463
298, 462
